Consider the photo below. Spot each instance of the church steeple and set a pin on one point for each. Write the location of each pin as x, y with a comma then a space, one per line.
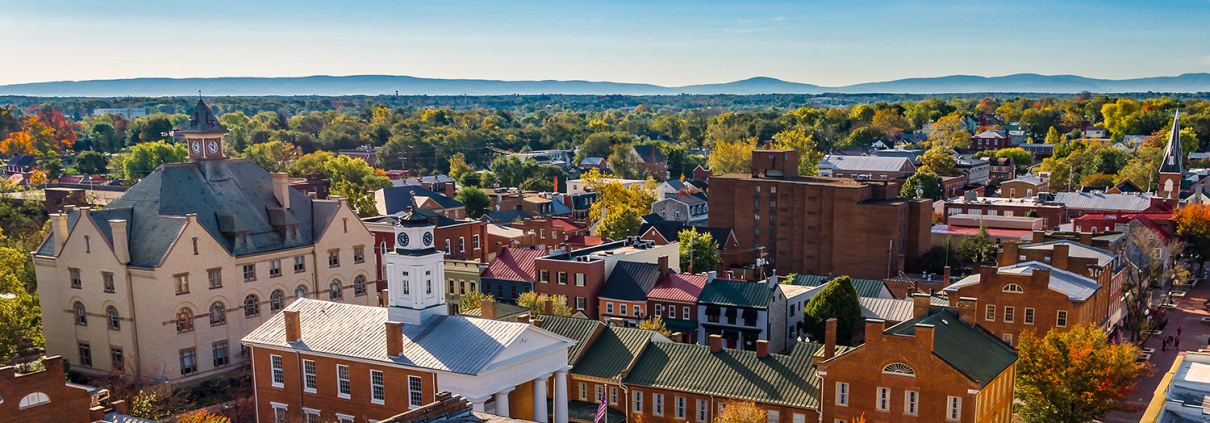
1173, 163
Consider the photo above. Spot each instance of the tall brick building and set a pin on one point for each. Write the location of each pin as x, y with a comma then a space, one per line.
810, 224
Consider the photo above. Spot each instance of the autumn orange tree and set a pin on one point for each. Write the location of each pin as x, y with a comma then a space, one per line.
202, 416
1193, 227
740, 412
1075, 376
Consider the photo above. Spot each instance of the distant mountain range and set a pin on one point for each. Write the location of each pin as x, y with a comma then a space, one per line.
407, 85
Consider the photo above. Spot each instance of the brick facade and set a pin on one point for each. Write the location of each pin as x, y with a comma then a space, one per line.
649, 414
594, 280
548, 234
67, 404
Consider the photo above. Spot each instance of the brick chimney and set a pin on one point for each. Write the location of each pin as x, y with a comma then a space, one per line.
1039, 236
924, 336
1040, 277
536, 322
967, 308
487, 309
873, 330
281, 189
946, 276
121, 245
394, 339
663, 262
1059, 256
677, 337
550, 307
829, 338
293, 326
1086, 239
1009, 255
716, 343
762, 348
61, 232
921, 304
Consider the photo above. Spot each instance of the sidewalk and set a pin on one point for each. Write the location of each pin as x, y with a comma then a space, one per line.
1187, 315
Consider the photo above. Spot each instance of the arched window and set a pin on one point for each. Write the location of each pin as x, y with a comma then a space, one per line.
899, 369
33, 400
359, 286
115, 322
1013, 288
334, 292
300, 292
277, 300
184, 320
81, 314
251, 306
218, 314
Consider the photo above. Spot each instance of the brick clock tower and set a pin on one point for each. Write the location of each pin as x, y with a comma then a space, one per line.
415, 272
1172, 166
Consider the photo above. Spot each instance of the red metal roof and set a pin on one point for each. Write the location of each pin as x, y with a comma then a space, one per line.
971, 231
678, 287
514, 264
566, 225
585, 240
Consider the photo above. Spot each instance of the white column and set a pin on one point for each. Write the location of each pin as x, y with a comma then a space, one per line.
561, 395
477, 406
502, 402
540, 398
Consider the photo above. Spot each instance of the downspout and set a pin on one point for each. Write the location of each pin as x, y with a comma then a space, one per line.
138, 362
255, 386
301, 380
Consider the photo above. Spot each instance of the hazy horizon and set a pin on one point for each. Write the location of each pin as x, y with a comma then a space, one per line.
667, 44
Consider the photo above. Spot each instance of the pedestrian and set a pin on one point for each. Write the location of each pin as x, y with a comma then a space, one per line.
1178, 331
1177, 343
1164, 344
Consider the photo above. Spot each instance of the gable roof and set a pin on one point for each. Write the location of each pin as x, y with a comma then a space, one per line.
869, 288
506, 216
444, 343
671, 231
592, 161
966, 348
867, 163
679, 287
614, 351
514, 264
649, 154
788, 380
397, 199
579, 329
892, 309
1075, 249
1076, 287
1100, 201
22, 160
630, 281
733, 293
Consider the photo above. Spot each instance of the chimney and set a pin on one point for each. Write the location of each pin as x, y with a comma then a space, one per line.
121, 248
487, 309
946, 281
394, 339
829, 338
663, 262
716, 343
293, 326
762, 348
966, 308
60, 232
550, 307
281, 189
119, 406
1086, 238
1009, 255
677, 337
617, 321
536, 322
1039, 236
523, 319
1059, 256
924, 336
921, 304
873, 330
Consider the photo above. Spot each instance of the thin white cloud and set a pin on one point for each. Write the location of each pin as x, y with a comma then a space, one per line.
746, 21
780, 18
746, 30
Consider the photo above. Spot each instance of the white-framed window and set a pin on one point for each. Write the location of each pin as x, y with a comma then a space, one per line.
680, 407
702, 409
638, 311
279, 413
657, 404
583, 391
1009, 314
1008, 338
899, 369
1029, 316
773, 416
279, 378
1013, 288
598, 393
33, 400
274, 268
991, 313
609, 307
343, 389
579, 279
672, 312
309, 384
377, 394
622, 307
800, 418
613, 395
312, 415
543, 275
461, 244
842, 393
415, 391
1061, 320
475, 241
345, 418
883, 400
911, 402
685, 312
954, 408
638, 401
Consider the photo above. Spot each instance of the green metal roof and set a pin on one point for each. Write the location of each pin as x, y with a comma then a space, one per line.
869, 288
580, 330
777, 379
968, 349
585, 411
680, 324
614, 350
503, 310
732, 293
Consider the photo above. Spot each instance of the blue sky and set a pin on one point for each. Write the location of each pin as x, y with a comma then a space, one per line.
828, 43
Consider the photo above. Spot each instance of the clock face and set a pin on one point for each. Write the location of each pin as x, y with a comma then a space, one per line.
402, 239
197, 147
428, 239
213, 147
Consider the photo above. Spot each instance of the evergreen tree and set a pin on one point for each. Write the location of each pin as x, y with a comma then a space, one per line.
837, 300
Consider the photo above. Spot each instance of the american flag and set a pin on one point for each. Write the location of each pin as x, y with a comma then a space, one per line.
600, 411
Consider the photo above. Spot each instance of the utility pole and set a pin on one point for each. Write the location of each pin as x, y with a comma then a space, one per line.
760, 262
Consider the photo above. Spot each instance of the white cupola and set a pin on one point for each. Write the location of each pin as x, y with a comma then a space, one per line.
415, 271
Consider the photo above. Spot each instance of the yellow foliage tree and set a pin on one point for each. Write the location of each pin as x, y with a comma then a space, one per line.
618, 205
740, 412
472, 300
948, 132
655, 323
889, 121
536, 303
938, 161
17, 143
797, 139
732, 157
458, 166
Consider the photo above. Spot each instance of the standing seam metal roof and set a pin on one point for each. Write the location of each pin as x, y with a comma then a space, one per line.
630, 281
869, 288
578, 329
614, 350
732, 293
968, 349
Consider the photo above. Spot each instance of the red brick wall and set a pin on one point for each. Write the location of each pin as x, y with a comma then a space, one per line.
617, 309
325, 398
1045, 302
785, 414
553, 234
689, 337
1053, 215
67, 405
594, 280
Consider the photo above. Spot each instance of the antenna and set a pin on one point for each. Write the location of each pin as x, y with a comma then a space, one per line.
199, 94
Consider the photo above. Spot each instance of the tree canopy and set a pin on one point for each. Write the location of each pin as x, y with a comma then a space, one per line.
698, 251
1075, 376
838, 299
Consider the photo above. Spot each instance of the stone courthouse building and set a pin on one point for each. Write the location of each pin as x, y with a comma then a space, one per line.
172, 274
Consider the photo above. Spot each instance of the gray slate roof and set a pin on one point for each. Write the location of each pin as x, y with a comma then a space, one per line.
1097, 201
155, 210
1078, 288
649, 154
1174, 159
630, 281
397, 199
1075, 249
202, 120
446, 343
